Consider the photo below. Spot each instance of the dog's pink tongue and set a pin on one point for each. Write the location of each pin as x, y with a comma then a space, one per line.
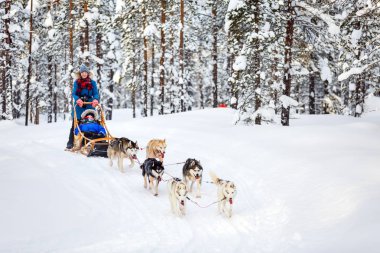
163, 155
231, 201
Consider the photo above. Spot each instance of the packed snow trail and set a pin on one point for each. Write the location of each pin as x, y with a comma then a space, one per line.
311, 187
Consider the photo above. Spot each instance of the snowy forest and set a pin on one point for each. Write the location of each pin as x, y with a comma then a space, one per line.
261, 57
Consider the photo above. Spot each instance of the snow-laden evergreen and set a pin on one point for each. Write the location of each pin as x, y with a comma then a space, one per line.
243, 53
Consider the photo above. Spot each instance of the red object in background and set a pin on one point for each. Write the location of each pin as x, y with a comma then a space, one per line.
222, 106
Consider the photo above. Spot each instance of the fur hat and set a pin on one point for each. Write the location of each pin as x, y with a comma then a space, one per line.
90, 112
84, 68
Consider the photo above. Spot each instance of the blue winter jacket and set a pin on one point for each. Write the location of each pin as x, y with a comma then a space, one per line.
90, 94
91, 127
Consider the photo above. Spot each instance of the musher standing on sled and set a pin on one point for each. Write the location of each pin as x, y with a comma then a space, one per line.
84, 90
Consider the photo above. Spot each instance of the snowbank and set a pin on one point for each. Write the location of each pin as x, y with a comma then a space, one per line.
312, 187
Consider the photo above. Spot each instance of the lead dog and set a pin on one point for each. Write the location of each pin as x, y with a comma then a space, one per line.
156, 149
177, 196
152, 169
226, 194
121, 148
192, 171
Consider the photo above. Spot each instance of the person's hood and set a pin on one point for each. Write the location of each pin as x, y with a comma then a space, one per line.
84, 114
76, 75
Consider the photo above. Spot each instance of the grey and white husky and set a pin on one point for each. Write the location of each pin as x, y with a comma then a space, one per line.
177, 196
226, 194
192, 171
121, 148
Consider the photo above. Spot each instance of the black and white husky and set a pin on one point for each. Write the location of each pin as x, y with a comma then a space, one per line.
226, 194
192, 171
177, 196
121, 148
152, 169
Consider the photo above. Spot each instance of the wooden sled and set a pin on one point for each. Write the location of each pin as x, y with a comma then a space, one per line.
90, 144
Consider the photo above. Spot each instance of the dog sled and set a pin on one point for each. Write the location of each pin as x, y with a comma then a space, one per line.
91, 143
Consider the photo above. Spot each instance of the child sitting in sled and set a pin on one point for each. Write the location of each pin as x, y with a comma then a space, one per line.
89, 124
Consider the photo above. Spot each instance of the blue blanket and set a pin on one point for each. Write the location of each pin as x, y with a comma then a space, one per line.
92, 128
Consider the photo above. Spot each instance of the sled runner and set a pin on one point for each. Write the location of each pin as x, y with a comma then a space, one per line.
91, 138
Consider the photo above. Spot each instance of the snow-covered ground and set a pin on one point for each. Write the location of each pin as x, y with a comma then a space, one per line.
311, 187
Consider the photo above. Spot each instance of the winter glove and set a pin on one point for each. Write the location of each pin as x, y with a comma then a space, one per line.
94, 103
80, 102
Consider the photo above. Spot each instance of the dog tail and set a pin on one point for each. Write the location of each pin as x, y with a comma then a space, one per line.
214, 178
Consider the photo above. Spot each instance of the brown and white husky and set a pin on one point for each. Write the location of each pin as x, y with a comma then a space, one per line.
156, 149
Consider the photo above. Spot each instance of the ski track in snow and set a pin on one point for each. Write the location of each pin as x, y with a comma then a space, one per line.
310, 187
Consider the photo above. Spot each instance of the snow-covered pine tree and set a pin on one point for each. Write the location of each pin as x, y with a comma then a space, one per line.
132, 47
6, 61
360, 58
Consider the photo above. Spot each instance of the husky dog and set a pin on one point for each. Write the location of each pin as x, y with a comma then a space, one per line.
226, 193
177, 196
156, 149
153, 170
192, 171
122, 148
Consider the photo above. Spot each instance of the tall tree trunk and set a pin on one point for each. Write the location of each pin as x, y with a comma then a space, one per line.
152, 82
360, 89
312, 92
215, 53
230, 71
37, 110
275, 79
55, 109
30, 63
163, 51
285, 113
110, 99
172, 106
326, 93
71, 49
6, 62
86, 31
181, 53
134, 83
3, 89
84, 39
17, 100
7, 99
145, 109
99, 54
2, 81
50, 87
201, 93
256, 63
